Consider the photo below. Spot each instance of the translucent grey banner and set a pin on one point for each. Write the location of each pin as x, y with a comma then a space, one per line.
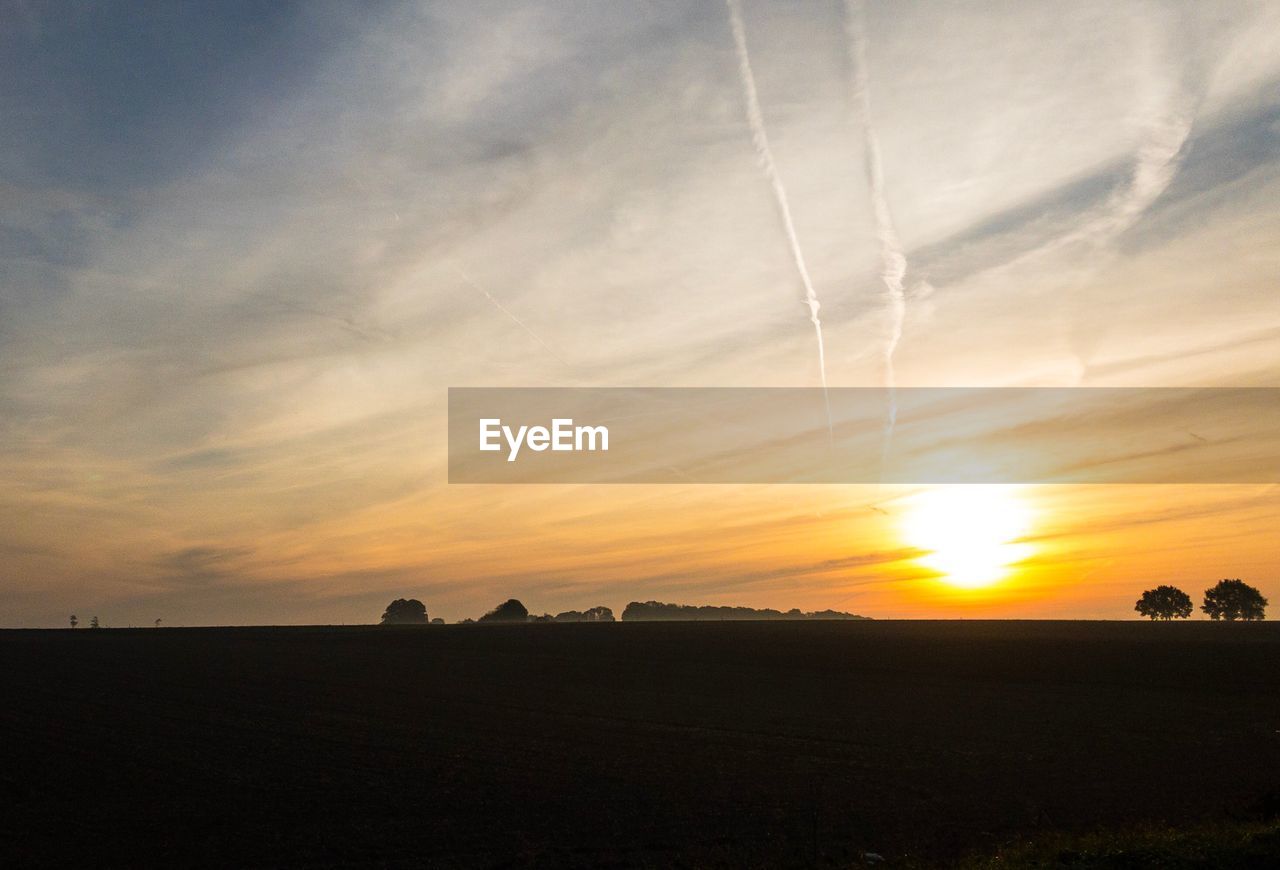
864, 435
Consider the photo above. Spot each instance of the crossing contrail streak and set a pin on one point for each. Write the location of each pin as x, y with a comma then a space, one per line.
764, 156
1155, 166
516, 320
893, 262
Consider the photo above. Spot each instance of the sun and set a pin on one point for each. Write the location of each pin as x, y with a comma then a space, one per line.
971, 534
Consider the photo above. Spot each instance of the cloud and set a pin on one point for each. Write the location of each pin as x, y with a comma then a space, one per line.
229, 305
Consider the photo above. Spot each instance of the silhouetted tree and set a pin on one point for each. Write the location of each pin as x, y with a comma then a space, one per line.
1234, 599
74, 621
93, 623
1164, 602
157, 623
405, 611
508, 611
437, 621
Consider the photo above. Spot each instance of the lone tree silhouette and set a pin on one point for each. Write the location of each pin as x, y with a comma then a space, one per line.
1164, 602
74, 621
93, 623
510, 610
405, 611
1234, 599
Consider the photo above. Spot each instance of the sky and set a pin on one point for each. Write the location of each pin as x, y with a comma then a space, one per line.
245, 249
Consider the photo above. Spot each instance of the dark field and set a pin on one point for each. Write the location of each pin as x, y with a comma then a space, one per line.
652, 744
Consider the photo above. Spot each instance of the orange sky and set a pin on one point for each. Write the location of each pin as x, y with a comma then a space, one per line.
231, 307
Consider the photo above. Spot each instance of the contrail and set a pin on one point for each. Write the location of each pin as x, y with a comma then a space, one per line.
893, 262
1154, 169
764, 156
518, 322
1155, 166
1166, 128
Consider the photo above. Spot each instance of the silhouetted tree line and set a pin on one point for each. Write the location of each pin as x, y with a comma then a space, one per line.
640, 611
594, 614
514, 611
412, 612
1228, 600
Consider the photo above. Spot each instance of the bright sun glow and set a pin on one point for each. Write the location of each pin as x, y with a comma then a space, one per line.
970, 533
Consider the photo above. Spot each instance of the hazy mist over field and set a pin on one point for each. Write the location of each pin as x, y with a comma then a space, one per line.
245, 249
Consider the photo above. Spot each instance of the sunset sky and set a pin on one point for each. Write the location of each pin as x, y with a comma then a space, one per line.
245, 249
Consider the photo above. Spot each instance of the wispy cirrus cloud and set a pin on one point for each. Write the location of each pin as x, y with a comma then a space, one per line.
229, 304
